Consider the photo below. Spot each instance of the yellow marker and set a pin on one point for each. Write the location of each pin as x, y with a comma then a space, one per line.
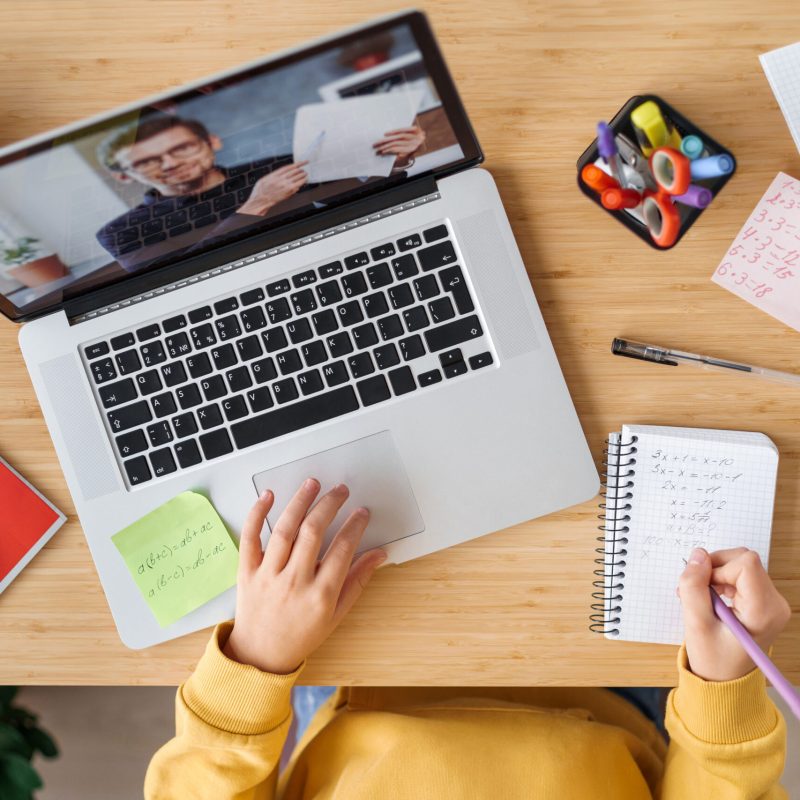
652, 130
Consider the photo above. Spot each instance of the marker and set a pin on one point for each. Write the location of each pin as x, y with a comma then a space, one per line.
608, 150
692, 146
652, 129
712, 166
695, 196
595, 178
760, 658
672, 358
615, 199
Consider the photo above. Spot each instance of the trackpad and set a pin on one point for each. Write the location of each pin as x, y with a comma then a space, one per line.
373, 471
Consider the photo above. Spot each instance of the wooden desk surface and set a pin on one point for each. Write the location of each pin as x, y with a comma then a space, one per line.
511, 608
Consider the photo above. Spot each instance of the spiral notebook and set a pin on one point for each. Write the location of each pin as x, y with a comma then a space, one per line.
669, 490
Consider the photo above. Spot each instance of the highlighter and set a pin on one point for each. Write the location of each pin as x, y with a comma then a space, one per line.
595, 178
652, 129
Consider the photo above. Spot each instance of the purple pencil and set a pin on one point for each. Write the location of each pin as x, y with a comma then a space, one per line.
760, 658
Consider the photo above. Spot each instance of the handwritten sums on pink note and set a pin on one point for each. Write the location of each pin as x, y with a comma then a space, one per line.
762, 265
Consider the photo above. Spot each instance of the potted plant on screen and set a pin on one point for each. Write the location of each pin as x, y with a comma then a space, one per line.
25, 260
20, 738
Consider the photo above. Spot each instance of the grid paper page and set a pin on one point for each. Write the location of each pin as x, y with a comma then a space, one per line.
782, 68
692, 488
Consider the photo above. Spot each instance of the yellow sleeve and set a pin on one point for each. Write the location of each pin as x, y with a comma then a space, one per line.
728, 740
231, 723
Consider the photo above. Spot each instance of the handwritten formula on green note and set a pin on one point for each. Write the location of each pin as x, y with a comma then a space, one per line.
180, 555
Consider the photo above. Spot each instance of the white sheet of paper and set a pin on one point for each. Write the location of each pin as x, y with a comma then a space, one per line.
782, 68
337, 137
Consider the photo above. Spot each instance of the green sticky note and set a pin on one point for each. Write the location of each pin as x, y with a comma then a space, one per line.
180, 555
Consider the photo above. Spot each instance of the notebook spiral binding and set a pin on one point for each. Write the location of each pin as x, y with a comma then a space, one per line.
620, 459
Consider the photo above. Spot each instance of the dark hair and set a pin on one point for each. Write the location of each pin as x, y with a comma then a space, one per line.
141, 130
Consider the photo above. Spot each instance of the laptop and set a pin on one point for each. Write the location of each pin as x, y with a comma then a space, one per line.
293, 268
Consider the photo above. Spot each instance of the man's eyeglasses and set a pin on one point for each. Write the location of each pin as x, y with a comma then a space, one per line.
179, 152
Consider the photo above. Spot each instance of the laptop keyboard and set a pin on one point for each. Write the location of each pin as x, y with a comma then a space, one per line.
276, 358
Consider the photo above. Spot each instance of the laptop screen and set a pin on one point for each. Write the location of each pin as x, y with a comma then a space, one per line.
234, 155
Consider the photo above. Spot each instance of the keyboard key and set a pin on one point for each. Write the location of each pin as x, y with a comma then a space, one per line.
303, 301
375, 304
402, 380
405, 267
115, 394
285, 390
129, 444
462, 330
373, 390
216, 444
288, 361
177, 345
226, 305
234, 408
429, 378
209, 416
189, 396
324, 322
329, 270
199, 211
354, 284
450, 357
310, 382
335, 373
453, 281
128, 362
253, 296
173, 374
357, 260
239, 379
96, 350
274, 339
213, 387
433, 234
224, 356
481, 360
401, 296
329, 293
188, 453
184, 425
386, 356
382, 251
264, 370
350, 313
137, 470
228, 327
200, 314
304, 279
121, 419
148, 382
379, 275
153, 354
278, 310
103, 371
249, 347
416, 319
123, 340
390, 327
316, 409
148, 332
408, 242
455, 369
163, 405
253, 319
203, 336
340, 344
365, 336
279, 287
159, 433
441, 309
260, 399
439, 255
314, 353
426, 287
163, 462
174, 324
412, 347
198, 364
299, 331
361, 365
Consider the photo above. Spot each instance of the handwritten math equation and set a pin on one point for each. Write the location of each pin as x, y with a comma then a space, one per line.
179, 571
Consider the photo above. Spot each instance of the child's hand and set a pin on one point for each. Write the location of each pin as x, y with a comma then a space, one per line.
288, 601
714, 653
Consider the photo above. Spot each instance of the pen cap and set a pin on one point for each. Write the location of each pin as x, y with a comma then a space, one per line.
711, 166
652, 128
593, 176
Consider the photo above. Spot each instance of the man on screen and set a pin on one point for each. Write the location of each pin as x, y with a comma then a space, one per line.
190, 199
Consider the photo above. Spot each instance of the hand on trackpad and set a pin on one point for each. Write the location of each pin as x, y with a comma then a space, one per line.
373, 471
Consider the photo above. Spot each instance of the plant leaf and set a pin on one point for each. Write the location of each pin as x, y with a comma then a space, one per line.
7, 694
18, 774
42, 741
13, 741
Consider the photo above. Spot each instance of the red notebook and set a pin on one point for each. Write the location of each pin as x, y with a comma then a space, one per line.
27, 521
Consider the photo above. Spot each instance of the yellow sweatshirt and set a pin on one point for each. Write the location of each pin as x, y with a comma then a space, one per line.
728, 742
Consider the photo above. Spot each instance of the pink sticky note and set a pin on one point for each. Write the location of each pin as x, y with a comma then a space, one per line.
762, 265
